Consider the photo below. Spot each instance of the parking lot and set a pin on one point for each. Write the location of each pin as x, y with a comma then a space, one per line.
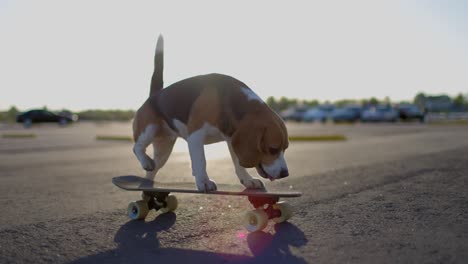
389, 193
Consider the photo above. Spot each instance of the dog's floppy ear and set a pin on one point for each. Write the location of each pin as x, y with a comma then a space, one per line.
247, 143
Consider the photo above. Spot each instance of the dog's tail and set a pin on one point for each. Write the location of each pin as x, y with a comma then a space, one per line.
157, 79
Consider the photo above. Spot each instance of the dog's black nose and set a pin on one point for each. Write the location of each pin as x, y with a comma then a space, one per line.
284, 173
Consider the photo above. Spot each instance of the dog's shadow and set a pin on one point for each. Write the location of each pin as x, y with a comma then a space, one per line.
137, 242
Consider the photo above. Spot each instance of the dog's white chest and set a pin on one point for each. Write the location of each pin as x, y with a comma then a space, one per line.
212, 134
207, 133
181, 128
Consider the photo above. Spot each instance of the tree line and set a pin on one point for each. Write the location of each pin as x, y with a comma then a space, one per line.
460, 102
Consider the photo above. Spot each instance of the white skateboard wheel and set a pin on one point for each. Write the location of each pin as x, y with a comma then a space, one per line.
255, 220
137, 210
171, 204
286, 212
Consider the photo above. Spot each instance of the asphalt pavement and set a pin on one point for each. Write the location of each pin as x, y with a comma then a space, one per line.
391, 193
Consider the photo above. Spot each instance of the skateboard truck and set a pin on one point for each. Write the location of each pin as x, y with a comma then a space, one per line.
159, 201
267, 204
155, 201
266, 208
261, 201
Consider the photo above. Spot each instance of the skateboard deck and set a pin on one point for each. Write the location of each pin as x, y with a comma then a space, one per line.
136, 183
156, 196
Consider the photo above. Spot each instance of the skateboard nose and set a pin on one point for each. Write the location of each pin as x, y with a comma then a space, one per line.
284, 173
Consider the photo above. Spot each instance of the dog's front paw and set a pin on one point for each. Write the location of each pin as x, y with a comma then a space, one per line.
147, 163
206, 185
253, 183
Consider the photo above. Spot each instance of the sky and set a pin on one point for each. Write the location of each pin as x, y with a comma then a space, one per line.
99, 54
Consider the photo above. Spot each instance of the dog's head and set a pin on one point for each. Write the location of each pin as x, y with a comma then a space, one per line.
260, 142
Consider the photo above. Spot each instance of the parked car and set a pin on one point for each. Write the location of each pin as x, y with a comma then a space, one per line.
315, 114
42, 116
409, 112
294, 113
346, 114
379, 114
327, 107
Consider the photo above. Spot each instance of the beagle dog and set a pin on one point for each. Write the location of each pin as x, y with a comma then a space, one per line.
206, 109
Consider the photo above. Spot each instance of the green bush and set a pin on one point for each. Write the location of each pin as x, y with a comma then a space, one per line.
10, 115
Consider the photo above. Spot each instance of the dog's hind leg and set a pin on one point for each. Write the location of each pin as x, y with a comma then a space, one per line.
162, 149
141, 143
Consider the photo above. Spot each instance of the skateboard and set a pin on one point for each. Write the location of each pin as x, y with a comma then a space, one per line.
157, 196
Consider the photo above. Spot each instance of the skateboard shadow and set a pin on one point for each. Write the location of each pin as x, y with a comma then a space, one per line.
275, 248
137, 242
